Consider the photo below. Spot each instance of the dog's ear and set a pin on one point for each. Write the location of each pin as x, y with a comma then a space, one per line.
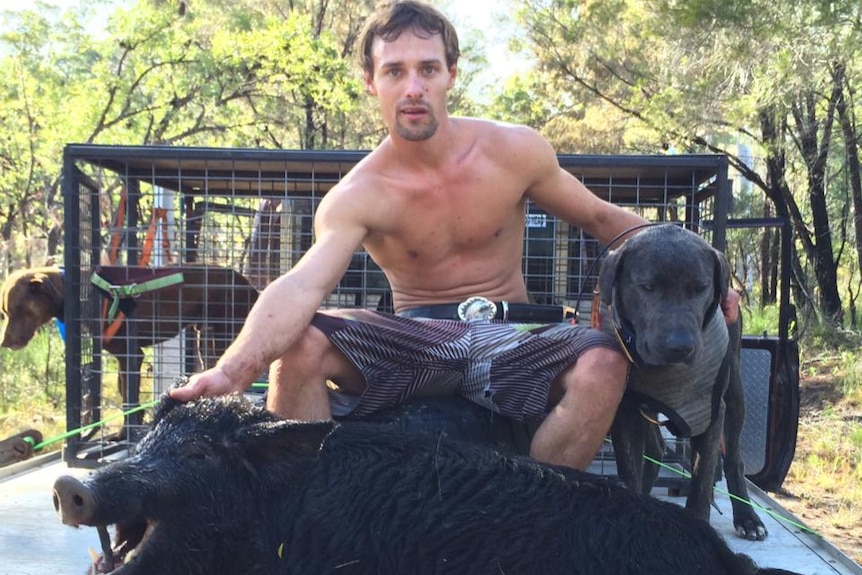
45, 283
608, 275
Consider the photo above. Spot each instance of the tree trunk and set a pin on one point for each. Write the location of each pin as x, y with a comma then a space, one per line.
814, 150
851, 153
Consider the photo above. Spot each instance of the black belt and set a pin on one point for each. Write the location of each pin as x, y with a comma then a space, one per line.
516, 312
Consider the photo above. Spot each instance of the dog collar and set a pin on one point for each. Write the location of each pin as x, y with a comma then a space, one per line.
61, 328
626, 336
59, 319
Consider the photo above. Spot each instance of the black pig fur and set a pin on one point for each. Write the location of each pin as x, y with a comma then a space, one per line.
221, 486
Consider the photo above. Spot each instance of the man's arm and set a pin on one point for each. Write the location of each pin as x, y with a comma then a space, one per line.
285, 307
559, 193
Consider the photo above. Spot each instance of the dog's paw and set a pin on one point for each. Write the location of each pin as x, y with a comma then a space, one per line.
751, 528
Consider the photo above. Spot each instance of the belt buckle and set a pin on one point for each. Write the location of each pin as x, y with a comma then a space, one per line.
476, 308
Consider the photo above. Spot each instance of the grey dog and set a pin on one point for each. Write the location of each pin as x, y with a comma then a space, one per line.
660, 295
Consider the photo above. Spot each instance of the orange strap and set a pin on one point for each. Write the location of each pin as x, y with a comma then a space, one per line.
159, 215
109, 331
116, 236
595, 316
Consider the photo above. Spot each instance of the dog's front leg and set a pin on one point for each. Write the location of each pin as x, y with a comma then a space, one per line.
745, 520
704, 459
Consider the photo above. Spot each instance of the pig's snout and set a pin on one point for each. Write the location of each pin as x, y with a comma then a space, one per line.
73, 501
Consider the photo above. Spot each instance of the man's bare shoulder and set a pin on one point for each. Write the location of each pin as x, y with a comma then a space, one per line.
501, 132
507, 141
359, 197
363, 176
511, 148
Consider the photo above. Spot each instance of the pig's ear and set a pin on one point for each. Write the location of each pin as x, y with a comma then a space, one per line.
165, 405
267, 438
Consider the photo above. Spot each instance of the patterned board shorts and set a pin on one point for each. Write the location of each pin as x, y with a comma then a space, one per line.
506, 367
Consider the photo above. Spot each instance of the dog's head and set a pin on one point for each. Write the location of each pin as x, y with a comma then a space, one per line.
29, 299
663, 286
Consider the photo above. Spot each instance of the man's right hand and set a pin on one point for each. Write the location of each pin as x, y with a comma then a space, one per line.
209, 383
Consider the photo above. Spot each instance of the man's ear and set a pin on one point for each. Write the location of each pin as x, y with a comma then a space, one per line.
453, 73
368, 80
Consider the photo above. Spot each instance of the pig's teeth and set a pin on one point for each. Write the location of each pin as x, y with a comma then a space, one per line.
95, 557
105, 539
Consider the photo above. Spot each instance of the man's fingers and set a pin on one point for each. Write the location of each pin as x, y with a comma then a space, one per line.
730, 306
188, 392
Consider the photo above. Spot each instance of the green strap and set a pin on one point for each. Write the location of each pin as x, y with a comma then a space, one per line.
120, 292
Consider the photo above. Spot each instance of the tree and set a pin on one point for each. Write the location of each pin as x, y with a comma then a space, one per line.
240, 73
702, 75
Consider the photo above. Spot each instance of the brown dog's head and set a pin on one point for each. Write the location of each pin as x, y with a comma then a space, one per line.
28, 300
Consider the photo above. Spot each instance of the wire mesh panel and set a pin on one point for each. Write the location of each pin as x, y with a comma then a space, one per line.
167, 249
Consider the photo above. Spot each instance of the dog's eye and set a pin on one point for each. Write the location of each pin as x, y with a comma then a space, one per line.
647, 287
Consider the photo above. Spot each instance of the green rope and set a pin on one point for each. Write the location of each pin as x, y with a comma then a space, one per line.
85, 428
774, 514
90, 426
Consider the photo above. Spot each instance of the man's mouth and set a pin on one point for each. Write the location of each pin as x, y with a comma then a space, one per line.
414, 112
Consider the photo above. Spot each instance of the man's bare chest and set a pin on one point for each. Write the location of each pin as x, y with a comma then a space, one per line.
426, 225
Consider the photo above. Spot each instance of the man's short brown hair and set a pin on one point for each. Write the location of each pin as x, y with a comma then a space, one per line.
390, 19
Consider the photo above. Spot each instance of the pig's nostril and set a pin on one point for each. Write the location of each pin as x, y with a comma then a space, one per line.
72, 500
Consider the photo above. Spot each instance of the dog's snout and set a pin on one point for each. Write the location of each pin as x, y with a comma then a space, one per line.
679, 347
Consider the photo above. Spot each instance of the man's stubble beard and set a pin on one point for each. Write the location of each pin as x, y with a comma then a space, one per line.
418, 133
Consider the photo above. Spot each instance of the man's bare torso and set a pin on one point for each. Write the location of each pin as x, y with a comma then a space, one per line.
445, 234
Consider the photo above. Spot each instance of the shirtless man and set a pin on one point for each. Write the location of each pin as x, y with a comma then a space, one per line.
440, 206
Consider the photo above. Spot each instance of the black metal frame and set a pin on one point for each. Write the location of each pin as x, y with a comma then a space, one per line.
696, 186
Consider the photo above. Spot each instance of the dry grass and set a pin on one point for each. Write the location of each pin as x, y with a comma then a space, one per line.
824, 485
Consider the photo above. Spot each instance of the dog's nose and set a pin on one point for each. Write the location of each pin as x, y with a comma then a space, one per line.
679, 347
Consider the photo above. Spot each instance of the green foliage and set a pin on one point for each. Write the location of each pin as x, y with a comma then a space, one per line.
760, 320
826, 336
242, 74
522, 100
705, 76
850, 370
32, 386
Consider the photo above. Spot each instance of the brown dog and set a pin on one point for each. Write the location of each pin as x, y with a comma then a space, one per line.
19, 447
213, 300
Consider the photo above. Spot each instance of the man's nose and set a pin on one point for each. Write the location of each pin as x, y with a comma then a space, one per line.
415, 85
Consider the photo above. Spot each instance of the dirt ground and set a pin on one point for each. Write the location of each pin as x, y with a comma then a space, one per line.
837, 518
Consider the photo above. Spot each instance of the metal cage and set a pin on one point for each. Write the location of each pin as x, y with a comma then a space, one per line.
250, 211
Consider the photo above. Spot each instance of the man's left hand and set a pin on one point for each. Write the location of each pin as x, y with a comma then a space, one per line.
730, 306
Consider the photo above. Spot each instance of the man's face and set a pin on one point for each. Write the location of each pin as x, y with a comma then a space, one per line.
411, 81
